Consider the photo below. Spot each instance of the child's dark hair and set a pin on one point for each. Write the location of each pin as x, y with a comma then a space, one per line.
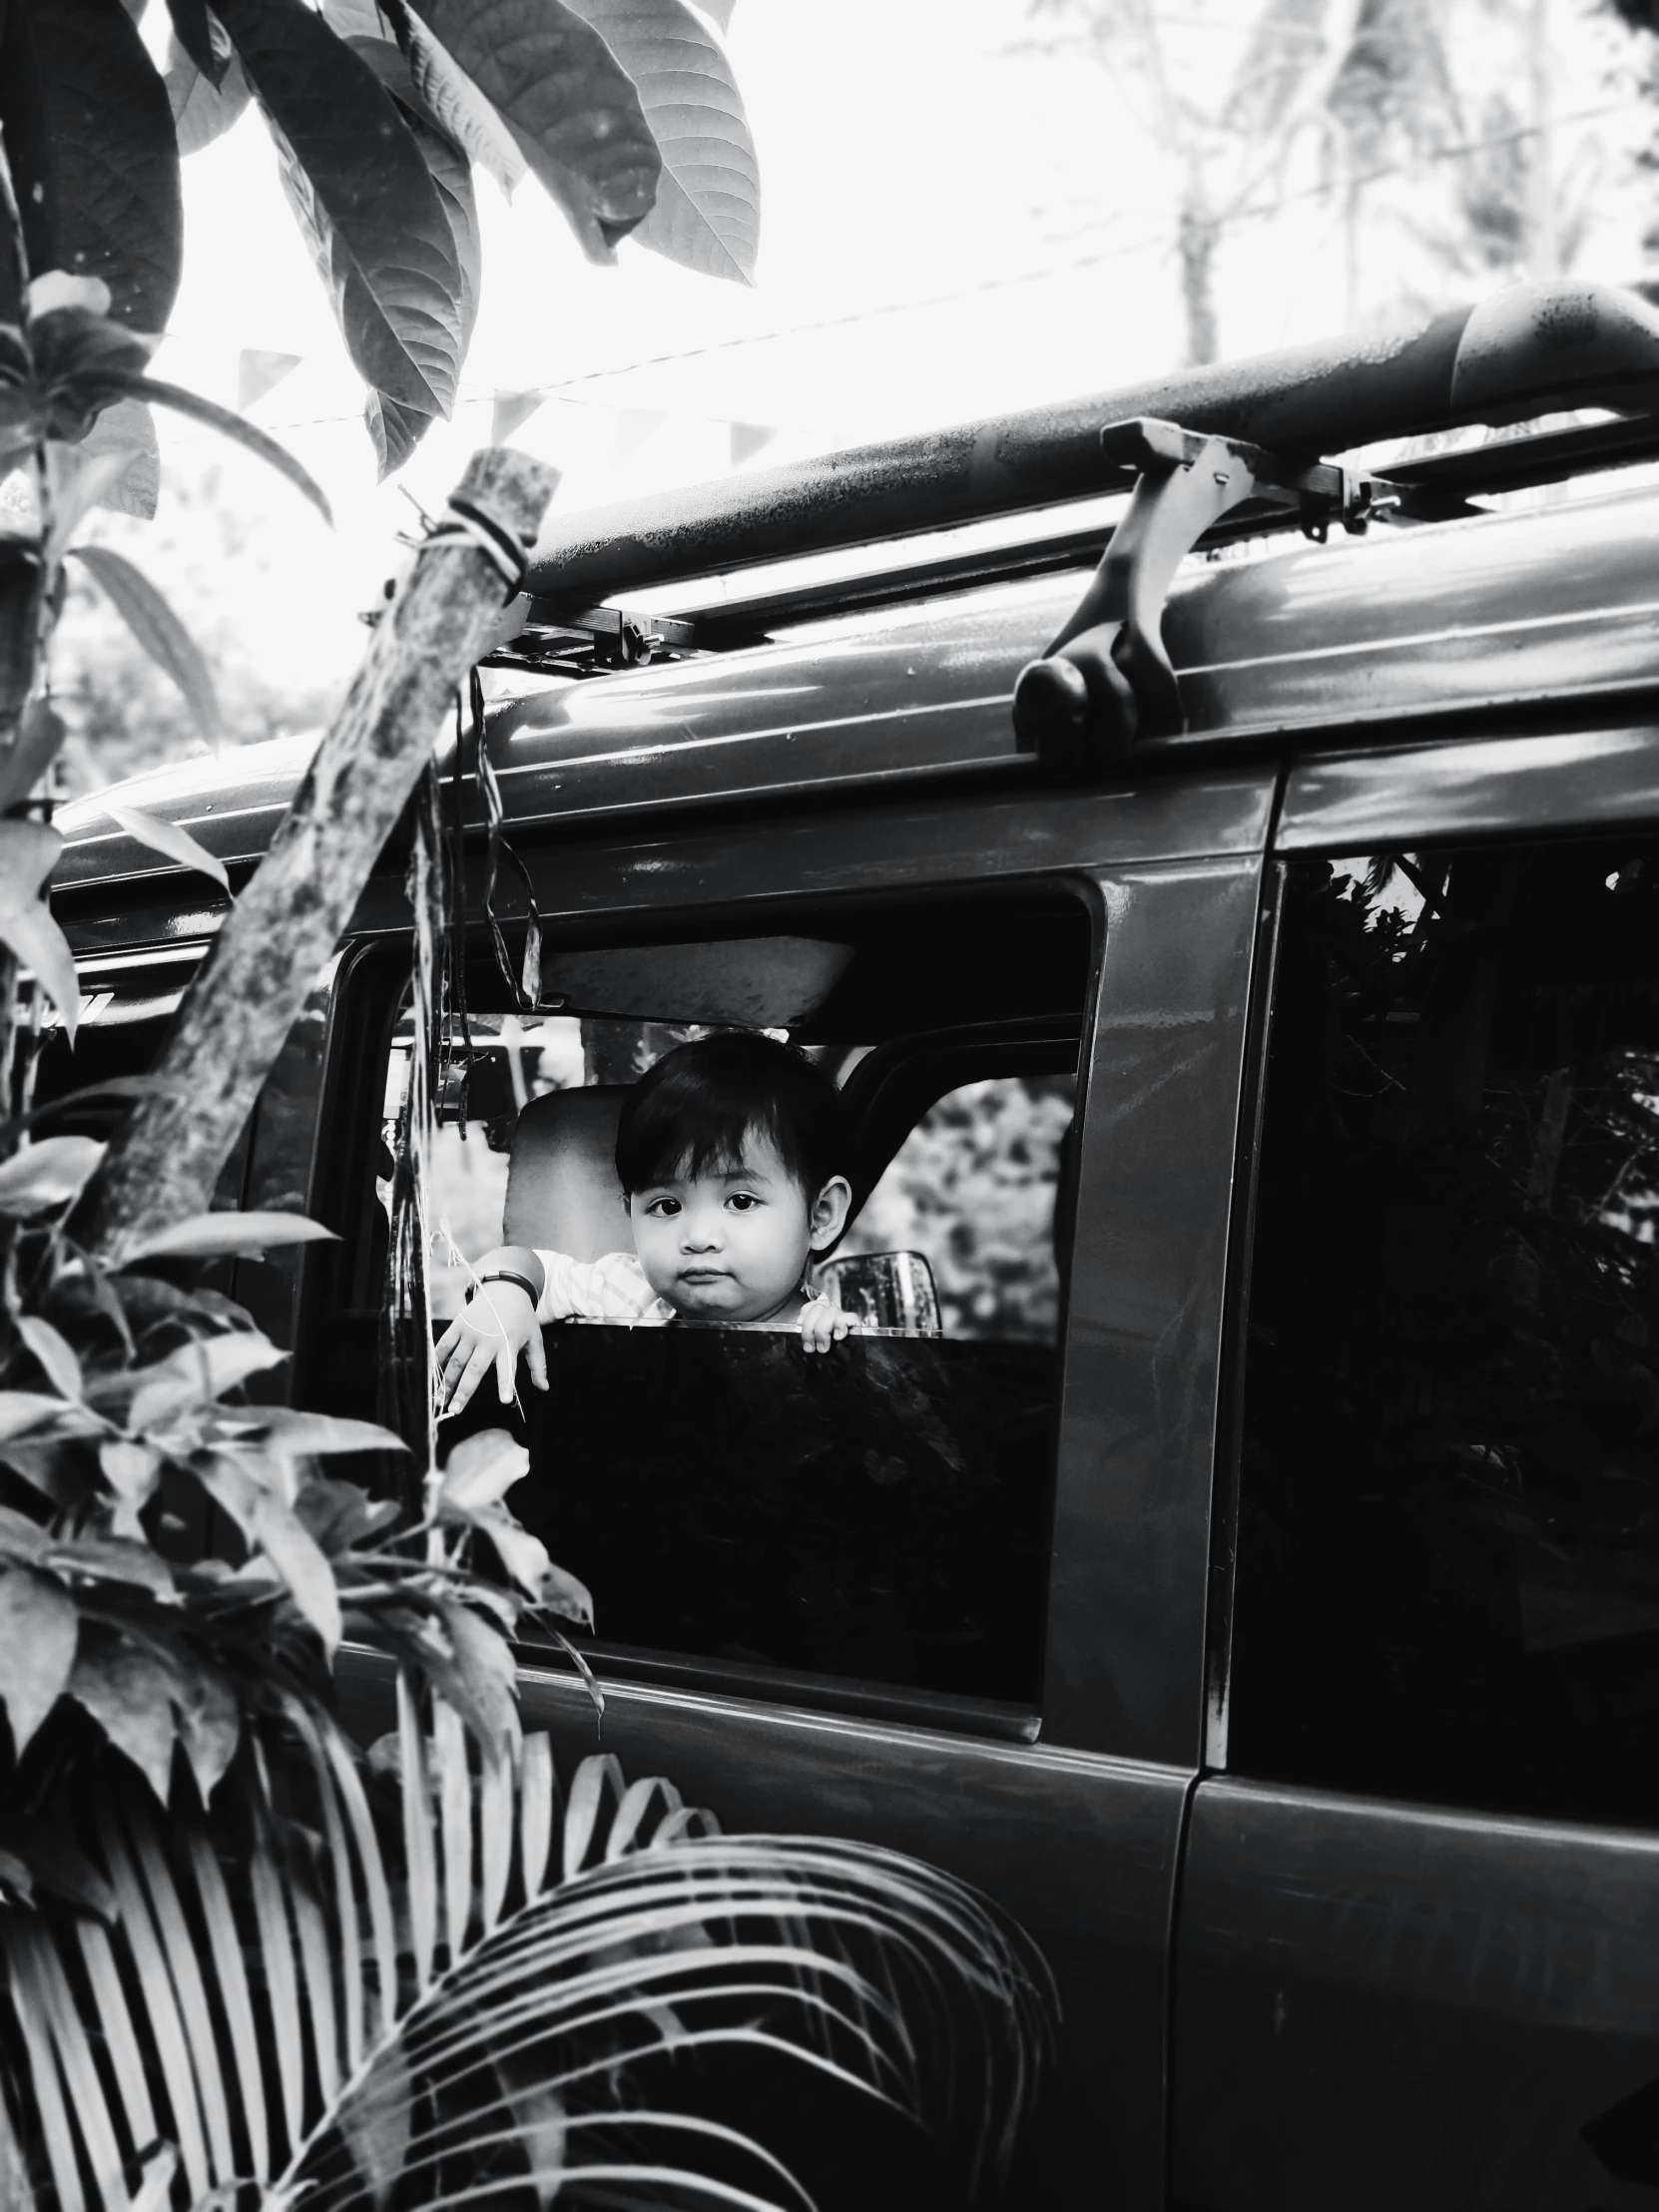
691, 1112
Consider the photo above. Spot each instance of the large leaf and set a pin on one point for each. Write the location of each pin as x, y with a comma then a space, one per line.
232, 426
169, 838
393, 430
55, 1353
160, 632
129, 1691
199, 35
527, 2001
572, 107
195, 1374
37, 1631
459, 109
707, 211
27, 852
229, 1235
130, 428
47, 1174
202, 110
89, 137
364, 198
396, 428
77, 482
40, 736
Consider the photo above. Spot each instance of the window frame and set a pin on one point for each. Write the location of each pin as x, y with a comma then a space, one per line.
1527, 787
367, 1006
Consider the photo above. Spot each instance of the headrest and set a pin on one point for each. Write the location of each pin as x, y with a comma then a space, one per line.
562, 1191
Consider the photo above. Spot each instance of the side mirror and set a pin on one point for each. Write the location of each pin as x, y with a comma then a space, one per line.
886, 1290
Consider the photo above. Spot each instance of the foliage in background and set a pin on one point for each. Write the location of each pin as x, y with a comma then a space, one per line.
625, 110
974, 1187
204, 552
1360, 91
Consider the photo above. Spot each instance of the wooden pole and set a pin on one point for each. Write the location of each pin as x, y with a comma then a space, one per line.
163, 1165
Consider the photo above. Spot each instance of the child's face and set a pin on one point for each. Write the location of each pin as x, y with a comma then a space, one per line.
733, 1245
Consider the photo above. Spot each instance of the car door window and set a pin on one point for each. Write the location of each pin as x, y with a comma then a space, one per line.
1448, 1580
877, 1515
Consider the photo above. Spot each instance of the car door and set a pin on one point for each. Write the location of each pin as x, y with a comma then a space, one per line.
1068, 1814
1418, 1945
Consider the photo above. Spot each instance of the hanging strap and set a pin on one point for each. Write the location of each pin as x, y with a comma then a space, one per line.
464, 524
526, 985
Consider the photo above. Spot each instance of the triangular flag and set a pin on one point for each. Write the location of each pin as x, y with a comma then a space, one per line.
512, 408
257, 373
634, 425
748, 438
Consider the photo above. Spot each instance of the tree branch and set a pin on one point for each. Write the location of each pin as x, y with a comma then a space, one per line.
287, 921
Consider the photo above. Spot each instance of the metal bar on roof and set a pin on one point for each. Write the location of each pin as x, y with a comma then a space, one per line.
1532, 350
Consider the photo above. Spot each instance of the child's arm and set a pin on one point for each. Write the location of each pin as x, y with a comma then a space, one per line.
824, 1322
503, 1319
499, 1323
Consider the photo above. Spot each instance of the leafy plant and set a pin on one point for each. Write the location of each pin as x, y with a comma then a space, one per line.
281, 1985
625, 110
459, 2013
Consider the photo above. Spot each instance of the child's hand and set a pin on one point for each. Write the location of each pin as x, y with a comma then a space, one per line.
499, 1323
824, 1322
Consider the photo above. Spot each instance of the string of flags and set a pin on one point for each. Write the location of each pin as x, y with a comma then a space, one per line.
259, 371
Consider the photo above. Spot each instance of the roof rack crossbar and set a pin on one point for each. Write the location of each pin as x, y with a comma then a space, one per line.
1106, 681
1532, 350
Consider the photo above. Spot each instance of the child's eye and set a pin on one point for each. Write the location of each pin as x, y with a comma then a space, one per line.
664, 1207
741, 1200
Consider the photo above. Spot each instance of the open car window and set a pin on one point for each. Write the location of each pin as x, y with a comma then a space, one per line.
861, 1526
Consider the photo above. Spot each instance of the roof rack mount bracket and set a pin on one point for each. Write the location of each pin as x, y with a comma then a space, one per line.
1106, 684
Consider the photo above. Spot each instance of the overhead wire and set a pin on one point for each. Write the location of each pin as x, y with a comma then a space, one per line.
982, 288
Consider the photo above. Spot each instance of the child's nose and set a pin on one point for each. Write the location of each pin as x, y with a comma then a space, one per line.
699, 1232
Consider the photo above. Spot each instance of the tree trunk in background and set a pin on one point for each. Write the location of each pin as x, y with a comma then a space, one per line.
287, 921
1195, 242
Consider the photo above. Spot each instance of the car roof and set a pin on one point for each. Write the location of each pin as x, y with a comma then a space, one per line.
1366, 639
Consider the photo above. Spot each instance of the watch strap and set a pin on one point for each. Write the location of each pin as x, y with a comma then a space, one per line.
504, 1275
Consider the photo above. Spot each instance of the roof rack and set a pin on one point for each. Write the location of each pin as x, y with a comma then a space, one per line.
1261, 425
1534, 350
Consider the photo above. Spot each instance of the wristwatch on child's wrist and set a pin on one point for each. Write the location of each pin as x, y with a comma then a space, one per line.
503, 1275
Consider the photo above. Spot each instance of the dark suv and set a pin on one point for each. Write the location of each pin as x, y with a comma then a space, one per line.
1234, 1543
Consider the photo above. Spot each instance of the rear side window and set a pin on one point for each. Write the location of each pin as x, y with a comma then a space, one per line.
1447, 1579
867, 1525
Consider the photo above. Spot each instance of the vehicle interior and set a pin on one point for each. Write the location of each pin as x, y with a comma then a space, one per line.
875, 1518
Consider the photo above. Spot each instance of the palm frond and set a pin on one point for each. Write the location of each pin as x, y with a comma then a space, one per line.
257, 2001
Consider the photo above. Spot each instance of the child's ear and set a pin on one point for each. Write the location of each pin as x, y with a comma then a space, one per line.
829, 1211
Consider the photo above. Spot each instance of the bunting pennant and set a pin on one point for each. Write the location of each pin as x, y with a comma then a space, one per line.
257, 373
749, 438
511, 410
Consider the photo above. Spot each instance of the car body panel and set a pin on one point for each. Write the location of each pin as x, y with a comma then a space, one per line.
1410, 624
1376, 2002
1349, 1976
1080, 1849
1582, 779
1155, 1194
1383, 2004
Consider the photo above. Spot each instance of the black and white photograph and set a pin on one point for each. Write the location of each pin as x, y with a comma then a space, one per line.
828, 1106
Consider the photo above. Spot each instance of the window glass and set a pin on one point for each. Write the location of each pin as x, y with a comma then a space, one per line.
1449, 1562
878, 1514
973, 1186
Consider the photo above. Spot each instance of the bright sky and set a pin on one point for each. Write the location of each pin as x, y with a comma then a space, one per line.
960, 214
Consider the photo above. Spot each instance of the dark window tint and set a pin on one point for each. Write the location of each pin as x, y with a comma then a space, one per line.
1448, 1565
878, 1514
